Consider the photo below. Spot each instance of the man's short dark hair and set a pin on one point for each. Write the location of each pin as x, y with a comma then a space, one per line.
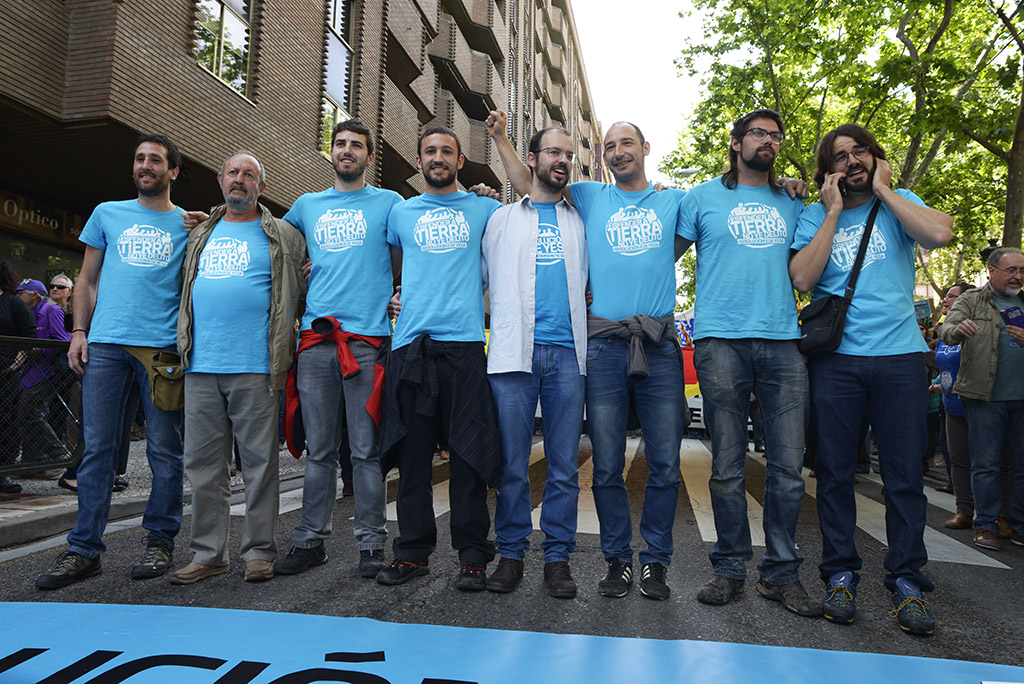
539, 135
356, 126
173, 155
823, 155
434, 130
739, 129
9, 277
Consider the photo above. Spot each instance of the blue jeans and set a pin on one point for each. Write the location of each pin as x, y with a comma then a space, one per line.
660, 405
556, 380
728, 371
995, 427
894, 390
105, 385
329, 404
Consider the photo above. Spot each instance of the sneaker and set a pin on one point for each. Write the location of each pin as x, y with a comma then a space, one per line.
69, 568
506, 576
720, 590
910, 609
987, 539
300, 559
120, 484
155, 562
371, 561
472, 577
792, 595
559, 580
839, 604
258, 570
618, 581
193, 572
9, 486
1018, 539
652, 581
400, 571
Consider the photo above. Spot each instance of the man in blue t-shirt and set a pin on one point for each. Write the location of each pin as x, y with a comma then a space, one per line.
236, 335
344, 331
633, 354
743, 224
121, 322
436, 386
878, 367
536, 267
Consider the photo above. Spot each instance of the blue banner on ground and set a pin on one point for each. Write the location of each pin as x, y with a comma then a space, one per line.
107, 644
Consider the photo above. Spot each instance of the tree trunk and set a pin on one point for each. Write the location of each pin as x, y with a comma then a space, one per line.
1015, 183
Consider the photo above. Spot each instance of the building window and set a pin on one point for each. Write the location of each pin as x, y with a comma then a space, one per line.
337, 102
222, 43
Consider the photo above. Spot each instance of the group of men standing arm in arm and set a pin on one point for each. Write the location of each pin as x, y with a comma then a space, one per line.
539, 257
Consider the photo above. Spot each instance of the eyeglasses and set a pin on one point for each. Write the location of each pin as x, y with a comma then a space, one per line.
1013, 270
55, 286
555, 153
761, 134
843, 158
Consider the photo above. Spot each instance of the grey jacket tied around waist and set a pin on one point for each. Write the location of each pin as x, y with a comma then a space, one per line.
637, 329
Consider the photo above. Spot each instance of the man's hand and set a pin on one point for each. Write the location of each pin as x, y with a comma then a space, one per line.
658, 187
395, 305
497, 124
882, 179
78, 353
796, 188
485, 191
307, 266
1016, 334
191, 219
967, 327
830, 195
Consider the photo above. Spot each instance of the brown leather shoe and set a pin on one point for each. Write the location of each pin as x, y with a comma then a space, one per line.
193, 572
1004, 530
1018, 539
959, 521
258, 570
986, 539
559, 580
506, 576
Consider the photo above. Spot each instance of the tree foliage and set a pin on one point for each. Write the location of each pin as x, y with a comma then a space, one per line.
938, 82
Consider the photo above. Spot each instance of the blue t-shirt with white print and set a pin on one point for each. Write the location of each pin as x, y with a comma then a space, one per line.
346, 237
231, 301
551, 303
880, 321
742, 237
140, 284
442, 276
631, 247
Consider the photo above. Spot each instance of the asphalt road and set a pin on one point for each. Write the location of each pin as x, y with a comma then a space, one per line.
978, 603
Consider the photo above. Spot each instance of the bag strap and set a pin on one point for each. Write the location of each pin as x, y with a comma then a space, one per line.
865, 238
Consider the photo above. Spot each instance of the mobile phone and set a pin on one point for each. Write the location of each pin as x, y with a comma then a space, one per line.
1013, 316
842, 186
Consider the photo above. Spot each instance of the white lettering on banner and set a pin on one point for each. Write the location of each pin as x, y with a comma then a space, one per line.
632, 231
224, 257
442, 230
757, 225
550, 250
846, 243
340, 229
145, 246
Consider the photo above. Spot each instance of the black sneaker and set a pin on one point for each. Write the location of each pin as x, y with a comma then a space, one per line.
720, 590
472, 577
652, 581
300, 559
839, 604
400, 571
618, 581
156, 561
911, 610
69, 568
506, 576
9, 486
792, 595
371, 561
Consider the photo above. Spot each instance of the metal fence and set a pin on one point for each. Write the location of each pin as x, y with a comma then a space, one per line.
40, 406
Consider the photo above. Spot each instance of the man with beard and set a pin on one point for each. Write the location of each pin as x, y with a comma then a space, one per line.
743, 224
991, 387
878, 367
138, 245
632, 351
536, 268
236, 335
344, 331
436, 386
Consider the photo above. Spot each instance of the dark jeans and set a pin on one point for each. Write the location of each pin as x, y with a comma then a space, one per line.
995, 427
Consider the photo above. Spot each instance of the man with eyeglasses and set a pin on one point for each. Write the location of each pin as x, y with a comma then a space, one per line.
535, 260
878, 367
991, 387
743, 225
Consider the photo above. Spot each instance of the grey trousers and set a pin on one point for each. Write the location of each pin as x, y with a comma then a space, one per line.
217, 408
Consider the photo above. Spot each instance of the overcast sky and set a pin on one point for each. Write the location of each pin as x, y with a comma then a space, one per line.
629, 48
